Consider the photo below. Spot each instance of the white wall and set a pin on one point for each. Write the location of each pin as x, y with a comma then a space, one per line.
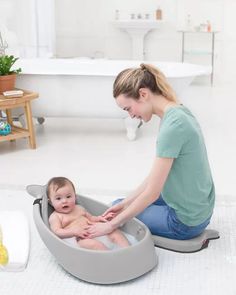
32, 22
83, 28
88, 28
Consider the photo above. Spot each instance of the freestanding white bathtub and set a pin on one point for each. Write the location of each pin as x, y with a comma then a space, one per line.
83, 87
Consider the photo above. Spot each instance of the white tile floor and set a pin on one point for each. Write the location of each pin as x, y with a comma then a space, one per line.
96, 155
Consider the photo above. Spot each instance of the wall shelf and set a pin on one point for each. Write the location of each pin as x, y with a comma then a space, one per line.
199, 52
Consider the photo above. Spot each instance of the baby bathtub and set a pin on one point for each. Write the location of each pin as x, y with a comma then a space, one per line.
100, 267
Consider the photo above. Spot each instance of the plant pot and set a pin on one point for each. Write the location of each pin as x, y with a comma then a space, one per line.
7, 82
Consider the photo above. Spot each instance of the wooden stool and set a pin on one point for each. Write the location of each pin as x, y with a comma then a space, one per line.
7, 104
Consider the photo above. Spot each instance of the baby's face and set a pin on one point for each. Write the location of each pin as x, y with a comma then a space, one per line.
63, 199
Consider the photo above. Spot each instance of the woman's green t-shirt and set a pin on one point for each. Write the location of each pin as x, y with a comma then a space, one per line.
189, 188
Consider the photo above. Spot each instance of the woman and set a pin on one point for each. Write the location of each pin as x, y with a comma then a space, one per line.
176, 199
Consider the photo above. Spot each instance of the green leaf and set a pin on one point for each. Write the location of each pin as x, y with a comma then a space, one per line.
6, 63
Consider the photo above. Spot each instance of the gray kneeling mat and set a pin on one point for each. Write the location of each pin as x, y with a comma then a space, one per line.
187, 246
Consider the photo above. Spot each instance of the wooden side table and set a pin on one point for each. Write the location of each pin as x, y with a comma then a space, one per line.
7, 104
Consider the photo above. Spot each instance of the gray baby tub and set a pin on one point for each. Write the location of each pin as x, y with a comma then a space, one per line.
101, 267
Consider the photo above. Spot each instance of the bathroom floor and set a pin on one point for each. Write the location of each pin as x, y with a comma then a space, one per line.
97, 157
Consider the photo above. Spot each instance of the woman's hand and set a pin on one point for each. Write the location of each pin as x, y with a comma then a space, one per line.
100, 218
109, 216
113, 211
99, 229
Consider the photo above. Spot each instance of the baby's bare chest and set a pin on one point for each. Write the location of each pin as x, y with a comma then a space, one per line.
76, 218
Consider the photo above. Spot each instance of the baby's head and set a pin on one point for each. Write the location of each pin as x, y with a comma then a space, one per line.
61, 194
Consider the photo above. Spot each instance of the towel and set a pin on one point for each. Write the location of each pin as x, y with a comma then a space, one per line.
15, 238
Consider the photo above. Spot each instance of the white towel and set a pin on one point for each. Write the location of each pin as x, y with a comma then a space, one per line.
16, 238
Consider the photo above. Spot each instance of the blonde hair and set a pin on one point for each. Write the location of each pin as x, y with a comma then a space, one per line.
129, 81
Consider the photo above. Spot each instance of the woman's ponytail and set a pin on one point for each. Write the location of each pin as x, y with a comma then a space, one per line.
129, 81
162, 84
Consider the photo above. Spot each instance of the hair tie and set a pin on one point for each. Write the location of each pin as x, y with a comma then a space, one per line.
143, 67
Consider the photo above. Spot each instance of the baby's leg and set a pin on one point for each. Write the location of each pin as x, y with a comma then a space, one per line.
118, 238
92, 244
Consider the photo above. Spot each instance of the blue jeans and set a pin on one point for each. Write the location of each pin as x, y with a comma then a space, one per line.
162, 221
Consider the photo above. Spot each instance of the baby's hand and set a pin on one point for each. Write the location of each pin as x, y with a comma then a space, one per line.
81, 233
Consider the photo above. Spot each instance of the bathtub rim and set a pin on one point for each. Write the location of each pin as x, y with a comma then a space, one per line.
191, 70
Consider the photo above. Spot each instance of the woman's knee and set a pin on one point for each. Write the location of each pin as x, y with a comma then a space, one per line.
150, 215
156, 219
117, 201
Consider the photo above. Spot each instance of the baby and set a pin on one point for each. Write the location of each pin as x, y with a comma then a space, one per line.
71, 220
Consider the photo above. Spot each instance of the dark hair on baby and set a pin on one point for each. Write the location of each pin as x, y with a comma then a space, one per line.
58, 182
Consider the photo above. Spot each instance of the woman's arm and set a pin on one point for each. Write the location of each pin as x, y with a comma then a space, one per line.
155, 182
118, 208
134, 194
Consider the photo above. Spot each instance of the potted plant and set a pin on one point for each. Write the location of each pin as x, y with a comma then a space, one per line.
7, 74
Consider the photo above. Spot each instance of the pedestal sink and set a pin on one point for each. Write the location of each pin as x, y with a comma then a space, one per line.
137, 29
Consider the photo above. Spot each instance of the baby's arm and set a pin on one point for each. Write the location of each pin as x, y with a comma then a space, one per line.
93, 218
56, 227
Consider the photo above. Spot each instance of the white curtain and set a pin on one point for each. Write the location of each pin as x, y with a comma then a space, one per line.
36, 27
